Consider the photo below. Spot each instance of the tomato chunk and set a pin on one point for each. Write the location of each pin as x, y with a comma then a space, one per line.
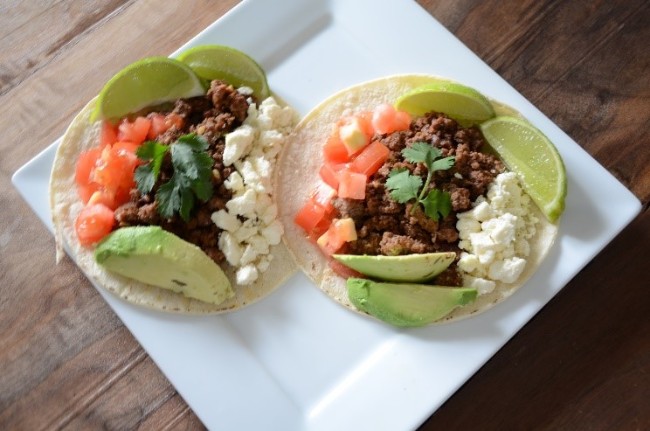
334, 151
87, 190
128, 147
340, 232
135, 131
309, 216
385, 119
365, 119
353, 135
329, 173
370, 159
85, 165
159, 125
323, 196
352, 185
402, 120
108, 134
115, 168
94, 223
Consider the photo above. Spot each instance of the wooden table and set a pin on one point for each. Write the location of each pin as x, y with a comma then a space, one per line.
583, 362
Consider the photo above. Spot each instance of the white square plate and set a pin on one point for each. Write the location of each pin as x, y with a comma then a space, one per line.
297, 360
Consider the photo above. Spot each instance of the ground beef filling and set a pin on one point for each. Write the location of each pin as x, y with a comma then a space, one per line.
212, 116
387, 227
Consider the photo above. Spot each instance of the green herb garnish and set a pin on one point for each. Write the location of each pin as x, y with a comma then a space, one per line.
404, 186
191, 180
147, 174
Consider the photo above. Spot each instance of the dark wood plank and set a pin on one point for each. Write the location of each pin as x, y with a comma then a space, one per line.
35, 37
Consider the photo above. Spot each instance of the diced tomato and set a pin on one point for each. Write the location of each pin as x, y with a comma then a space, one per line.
321, 227
352, 134
309, 215
370, 159
85, 165
86, 191
345, 229
343, 270
129, 147
352, 185
112, 198
383, 118
402, 120
135, 131
334, 151
340, 232
329, 173
323, 196
108, 134
103, 197
94, 223
365, 119
114, 170
158, 125
329, 243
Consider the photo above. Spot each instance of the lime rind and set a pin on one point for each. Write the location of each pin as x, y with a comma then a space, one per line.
228, 64
529, 153
460, 102
147, 82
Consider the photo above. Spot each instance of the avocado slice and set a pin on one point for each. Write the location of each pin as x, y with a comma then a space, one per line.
414, 268
154, 256
407, 305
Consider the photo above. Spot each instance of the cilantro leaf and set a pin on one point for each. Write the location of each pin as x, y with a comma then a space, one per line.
146, 175
436, 202
169, 198
421, 152
443, 164
192, 177
195, 166
403, 186
187, 202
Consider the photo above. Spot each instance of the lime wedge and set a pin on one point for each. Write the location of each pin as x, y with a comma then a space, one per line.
228, 64
460, 102
527, 152
146, 82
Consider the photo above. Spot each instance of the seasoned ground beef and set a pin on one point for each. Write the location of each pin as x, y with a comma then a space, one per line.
212, 116
387, 227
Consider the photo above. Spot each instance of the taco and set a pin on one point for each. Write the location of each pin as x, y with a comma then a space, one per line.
196, 168
354, 200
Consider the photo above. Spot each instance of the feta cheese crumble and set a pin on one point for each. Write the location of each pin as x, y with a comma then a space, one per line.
249, 222
494, 235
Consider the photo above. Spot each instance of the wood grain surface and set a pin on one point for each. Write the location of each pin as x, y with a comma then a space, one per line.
583, 363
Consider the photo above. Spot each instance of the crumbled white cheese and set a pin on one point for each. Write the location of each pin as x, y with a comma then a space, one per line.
230, 247
494, 235
226, 221
234, 182
247, 274
238, 143
482, 285
242, 204
250, 221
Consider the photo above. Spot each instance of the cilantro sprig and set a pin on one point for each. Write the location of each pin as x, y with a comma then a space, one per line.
404, 187
191, 179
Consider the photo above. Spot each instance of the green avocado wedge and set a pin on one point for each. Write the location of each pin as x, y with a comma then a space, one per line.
414, 268
159, 258
407, 305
